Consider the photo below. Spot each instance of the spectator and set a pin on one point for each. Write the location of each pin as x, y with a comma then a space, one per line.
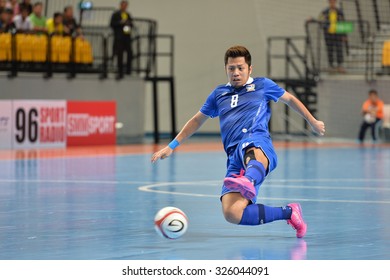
372, 111
28, 4
3, 4
70, 25
122, 23
22, 21
37, 19
14, 6
54, 25
6, 24
334, 41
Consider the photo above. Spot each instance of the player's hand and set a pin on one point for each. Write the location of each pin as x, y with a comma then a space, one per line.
318, 127
162, 154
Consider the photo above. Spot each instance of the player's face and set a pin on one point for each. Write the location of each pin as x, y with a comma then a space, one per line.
238, 71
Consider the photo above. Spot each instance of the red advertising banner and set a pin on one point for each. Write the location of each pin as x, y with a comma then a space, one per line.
91, 123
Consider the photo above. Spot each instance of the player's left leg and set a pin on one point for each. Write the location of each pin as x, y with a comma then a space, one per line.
233, 205
239, 210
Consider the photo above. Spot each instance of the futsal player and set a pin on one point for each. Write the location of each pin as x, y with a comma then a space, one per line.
242, 106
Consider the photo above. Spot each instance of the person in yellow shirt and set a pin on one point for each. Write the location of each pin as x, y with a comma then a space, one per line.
55, 25
334, 41
372, 110
122, 24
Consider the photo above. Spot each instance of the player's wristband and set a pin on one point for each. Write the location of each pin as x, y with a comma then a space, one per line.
174, 144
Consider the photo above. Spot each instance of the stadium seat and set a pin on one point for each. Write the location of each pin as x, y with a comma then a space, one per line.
60, 49
65, 49
386, 54
83, 51
39, 48
385, 124
5, 47
24, 48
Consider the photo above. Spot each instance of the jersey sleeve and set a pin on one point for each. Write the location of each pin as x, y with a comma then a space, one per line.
272, 91
209, 108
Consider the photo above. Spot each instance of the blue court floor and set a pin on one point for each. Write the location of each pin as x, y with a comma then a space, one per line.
102, 205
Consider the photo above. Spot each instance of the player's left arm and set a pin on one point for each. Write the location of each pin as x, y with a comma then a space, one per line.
294, 103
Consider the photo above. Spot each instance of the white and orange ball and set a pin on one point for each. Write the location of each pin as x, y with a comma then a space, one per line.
369, 118
171, 222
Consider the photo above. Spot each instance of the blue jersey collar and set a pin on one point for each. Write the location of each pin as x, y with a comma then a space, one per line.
250, 80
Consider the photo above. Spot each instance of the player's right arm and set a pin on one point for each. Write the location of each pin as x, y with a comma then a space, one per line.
188, 129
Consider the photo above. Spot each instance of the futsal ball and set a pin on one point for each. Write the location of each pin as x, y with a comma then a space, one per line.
171, 222
369, 118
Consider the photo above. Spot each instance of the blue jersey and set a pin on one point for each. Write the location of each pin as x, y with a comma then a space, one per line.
242, 111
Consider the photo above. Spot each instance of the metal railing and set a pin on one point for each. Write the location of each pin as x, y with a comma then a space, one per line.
101, 40
374, 66
354, 42
291, 56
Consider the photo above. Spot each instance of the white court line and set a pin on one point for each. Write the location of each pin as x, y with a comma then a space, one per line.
150, 188
269, 183
333, 180
64, 181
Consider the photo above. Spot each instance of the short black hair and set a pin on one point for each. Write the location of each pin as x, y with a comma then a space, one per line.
238, 51
67, 8
373, 91
24, 7
57, 14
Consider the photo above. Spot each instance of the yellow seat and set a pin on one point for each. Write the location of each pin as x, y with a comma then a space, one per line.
386, 54
5, 47
39, 48
65, 47
23, 48
60, 49
83, 51
54, 50
88, 53
78, 45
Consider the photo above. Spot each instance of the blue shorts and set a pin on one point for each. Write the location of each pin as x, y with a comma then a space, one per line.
235, 162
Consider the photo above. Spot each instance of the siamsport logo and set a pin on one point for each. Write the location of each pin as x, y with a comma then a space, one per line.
82, 125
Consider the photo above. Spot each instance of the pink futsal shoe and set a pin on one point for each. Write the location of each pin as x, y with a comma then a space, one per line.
241, 184
296, 220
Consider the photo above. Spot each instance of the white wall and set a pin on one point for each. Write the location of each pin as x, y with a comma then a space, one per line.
341, 101
204, 29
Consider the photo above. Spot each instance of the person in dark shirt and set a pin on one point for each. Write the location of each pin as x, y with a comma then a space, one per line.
6, 23
27, 3
70, 25
334, 41
122, 24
